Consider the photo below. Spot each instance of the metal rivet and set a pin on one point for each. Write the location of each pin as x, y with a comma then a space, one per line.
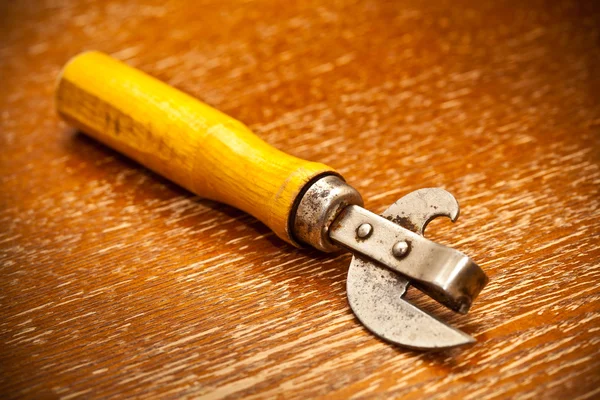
364, 231
400, 249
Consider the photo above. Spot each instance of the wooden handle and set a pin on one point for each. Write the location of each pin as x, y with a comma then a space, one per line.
183, 139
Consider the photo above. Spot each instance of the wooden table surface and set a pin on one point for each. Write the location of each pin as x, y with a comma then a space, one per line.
118, 284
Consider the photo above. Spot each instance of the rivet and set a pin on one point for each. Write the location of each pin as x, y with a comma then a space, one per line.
364, 231
400, 249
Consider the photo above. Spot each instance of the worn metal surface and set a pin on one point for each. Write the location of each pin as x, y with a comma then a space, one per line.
318, 207
415, 210
375, 290
446, 274
375, 295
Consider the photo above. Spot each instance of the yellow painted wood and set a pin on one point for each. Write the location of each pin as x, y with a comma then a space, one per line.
183, 139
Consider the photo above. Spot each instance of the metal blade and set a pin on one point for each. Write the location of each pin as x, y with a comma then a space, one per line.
441, 272
375, 292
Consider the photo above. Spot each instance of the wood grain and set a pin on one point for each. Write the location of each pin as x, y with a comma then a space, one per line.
119, 284
183, 139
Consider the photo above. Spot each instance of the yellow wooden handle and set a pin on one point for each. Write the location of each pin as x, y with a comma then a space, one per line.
183, 139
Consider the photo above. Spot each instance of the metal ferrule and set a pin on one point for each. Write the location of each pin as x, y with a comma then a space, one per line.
319, 206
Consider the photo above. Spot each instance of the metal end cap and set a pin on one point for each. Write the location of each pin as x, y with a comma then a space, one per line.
319, 206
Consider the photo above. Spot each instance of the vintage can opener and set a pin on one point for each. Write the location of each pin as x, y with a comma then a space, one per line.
304, 203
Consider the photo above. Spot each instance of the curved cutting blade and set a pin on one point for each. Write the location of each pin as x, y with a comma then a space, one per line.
375, 292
